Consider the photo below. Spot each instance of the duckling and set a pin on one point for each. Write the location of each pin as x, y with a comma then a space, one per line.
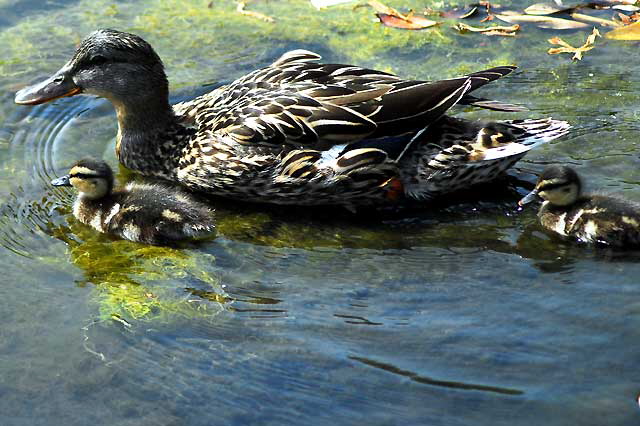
141, 212
598, 219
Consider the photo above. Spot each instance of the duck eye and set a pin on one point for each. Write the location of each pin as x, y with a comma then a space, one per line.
97, 60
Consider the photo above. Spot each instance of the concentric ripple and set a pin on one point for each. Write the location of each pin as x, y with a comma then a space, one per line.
40, 140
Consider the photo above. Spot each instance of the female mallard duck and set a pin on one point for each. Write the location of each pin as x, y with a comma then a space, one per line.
589, 218
147, 213
297, 132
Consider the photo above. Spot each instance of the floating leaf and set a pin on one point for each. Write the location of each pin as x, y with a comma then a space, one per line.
577, 51
240, 8
490, 31
594, 20
626, 7
542, 21
626, 19
409, 22
381, 8
544, 9
488, 8
471, 12
460, 13
629, 32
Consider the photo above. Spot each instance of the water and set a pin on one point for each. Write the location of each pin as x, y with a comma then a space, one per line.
462, 313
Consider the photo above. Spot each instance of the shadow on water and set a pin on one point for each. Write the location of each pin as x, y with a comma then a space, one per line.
435, 382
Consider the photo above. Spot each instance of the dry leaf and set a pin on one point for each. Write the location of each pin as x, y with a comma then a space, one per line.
392, 18
421, 20
594, 20
490, 31
471, 12
240, 8
381, 8
408, 22
629, 32
460, 13
542, 21
488, 7
577, 51
626, 7
626, 19
544, 9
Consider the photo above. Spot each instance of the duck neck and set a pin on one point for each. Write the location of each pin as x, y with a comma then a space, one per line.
149, 136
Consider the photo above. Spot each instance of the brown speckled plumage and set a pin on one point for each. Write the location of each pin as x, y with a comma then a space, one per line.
297, 131
599, 219
148, 213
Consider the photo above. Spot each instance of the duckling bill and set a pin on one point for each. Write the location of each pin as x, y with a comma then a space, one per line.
147, 213
598, 219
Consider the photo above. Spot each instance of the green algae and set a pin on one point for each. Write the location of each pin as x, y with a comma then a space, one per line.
186, 33
199, 44
134, 281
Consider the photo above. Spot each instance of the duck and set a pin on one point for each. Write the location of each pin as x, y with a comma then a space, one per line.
298, 131
141, 212
589, 218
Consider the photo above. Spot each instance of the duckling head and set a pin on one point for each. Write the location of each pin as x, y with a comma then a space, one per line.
119, 66
92, 178
557, 185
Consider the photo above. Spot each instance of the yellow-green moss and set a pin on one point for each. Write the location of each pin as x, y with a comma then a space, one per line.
136, 281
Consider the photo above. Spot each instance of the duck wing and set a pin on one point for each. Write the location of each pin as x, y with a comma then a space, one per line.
300, 103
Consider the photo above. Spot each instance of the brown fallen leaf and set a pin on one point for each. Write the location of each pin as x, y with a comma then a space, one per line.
626, 19
488, 7
381, 8
495, 30
628, 32
577, 51
408, 22
542, 21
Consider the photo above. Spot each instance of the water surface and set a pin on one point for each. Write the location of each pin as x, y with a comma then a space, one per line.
459, 313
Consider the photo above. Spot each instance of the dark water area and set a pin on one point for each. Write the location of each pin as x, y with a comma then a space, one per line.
460, 312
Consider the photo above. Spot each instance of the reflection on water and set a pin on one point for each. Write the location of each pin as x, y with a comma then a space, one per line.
462, 312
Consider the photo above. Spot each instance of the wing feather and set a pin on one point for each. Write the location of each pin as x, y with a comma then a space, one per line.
299, 102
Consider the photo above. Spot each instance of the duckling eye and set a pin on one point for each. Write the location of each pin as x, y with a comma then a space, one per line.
567, 190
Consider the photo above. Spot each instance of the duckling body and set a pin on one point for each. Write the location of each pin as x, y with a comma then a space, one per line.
141, 212
595, 219
598, 219
298, 131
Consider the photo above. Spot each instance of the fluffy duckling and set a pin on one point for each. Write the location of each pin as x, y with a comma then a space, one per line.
147, 213
589, 218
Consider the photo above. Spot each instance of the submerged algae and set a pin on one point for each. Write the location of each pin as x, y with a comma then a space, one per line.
199, 44
187, 32
135, 281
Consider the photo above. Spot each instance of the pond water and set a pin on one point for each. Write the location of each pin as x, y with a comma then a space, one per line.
459, 313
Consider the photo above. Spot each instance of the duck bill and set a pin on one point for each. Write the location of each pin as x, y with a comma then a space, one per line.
57, 86
62, 181
528, 198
